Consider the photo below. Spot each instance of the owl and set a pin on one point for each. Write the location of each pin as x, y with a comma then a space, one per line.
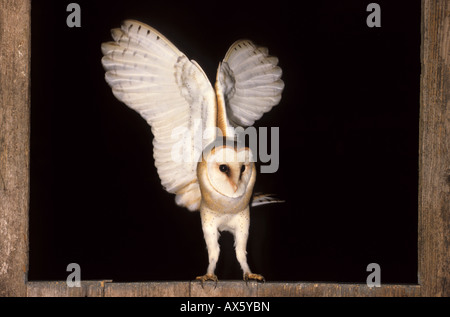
197, 155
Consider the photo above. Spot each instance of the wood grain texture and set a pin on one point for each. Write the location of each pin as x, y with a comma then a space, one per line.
60, 289
150, 289
222, 289
14, 145
335, 290
293, 289
434, 157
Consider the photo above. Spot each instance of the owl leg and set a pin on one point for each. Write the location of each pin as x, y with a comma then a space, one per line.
211, 235
240, 241
241, 255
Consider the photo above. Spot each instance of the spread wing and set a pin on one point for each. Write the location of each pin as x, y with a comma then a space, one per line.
172, 93
249, 80
248, 85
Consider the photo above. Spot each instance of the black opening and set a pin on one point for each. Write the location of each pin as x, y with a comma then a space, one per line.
348, 123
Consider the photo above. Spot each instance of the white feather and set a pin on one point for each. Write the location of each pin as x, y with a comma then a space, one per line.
150, 75
250, 81
264, 199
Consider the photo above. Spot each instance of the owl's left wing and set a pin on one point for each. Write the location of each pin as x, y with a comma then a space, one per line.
249, 82
172, 93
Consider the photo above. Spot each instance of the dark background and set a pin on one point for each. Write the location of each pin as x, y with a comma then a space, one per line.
348, 124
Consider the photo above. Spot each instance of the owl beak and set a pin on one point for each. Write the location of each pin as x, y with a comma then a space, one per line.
233, 185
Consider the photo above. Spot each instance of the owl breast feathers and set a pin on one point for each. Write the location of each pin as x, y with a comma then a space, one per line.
189, 117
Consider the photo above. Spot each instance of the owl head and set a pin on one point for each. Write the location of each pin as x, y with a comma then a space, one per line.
226, 176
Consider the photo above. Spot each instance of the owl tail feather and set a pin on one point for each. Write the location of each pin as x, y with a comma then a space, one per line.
264, 199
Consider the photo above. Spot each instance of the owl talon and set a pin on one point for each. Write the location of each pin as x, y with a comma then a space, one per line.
253, 276
208, 277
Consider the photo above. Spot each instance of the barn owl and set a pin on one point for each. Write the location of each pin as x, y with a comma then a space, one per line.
172, 93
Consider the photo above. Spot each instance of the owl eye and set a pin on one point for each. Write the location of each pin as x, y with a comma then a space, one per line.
223, 168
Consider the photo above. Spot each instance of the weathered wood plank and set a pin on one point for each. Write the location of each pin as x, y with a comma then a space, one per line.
335, 290
434, 158
147, 289
14, 144
224, 289
60, 289
293, 289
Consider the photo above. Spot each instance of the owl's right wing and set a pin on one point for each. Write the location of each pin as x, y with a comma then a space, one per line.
172, 93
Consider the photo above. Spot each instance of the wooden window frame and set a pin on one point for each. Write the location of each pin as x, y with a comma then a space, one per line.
434, 179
